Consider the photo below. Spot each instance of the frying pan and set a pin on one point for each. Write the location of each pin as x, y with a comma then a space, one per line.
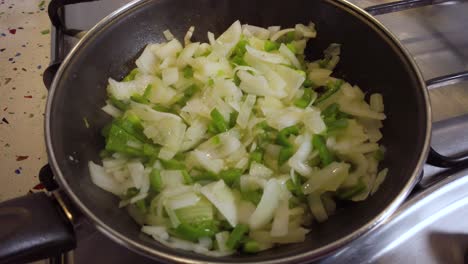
36, 226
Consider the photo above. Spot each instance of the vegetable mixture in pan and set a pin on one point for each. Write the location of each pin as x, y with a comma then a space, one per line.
238, 144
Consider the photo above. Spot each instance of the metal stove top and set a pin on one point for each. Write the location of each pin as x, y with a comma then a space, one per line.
431, 226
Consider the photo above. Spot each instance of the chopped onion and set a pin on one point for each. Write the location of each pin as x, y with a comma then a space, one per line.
267, 206
168, 34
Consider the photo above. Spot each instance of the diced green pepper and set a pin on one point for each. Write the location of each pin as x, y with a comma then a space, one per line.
230, 175
251, 246
187, 178
156, 183
205, 176
193, 232
348, 193
132, 125
131, 75
216, 140
139, 99
295, 188
319, 144
147, 91
332, 87
292, 48
188, 93
117, 141
161, 108
271, 45
337, 124
218, 124
283, 135
284, 154
173, 164
188, 72
309, 84
252, 196
141, 205
306, 98
237, 56
236, 236
233, 118
119, 104
210, 82
256, 155
131, 192
236, 80
200, 212
331, 111
334, 118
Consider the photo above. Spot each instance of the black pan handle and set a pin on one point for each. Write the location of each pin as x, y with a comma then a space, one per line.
54, 10
33, 227
402, 5
49, 74
436, 159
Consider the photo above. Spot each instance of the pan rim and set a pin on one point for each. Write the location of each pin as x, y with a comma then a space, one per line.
378, 220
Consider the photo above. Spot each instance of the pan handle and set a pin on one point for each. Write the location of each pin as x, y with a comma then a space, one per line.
436, 159
32, 228
402, 5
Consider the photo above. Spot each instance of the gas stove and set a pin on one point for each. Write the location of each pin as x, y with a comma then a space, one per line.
431, 226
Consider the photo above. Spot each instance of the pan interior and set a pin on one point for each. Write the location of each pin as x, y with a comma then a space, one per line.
368, 59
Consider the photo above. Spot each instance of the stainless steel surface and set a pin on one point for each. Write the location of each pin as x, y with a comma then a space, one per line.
429, 227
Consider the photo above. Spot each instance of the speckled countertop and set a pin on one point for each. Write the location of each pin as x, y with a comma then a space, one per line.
24, 54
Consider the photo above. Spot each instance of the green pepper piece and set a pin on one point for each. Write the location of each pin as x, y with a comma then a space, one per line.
131, 192
194, 231
156, 183
187, 178
233, 118
131, 75
236, 236
162, 108
117, 142
218, 122
331, 89
237, 56
319, 144
251, 246
147, 91
188, 93
252, 196
230, 175
141, 205
284, 154
306, 98
236, 80
292, 48
118, 103
256, 155
348, 193
205, 176
173, 164
283, 135
271, 46
337, 124
309, 84
188, 72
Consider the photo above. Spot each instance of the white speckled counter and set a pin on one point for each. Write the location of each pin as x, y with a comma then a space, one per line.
24, 54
